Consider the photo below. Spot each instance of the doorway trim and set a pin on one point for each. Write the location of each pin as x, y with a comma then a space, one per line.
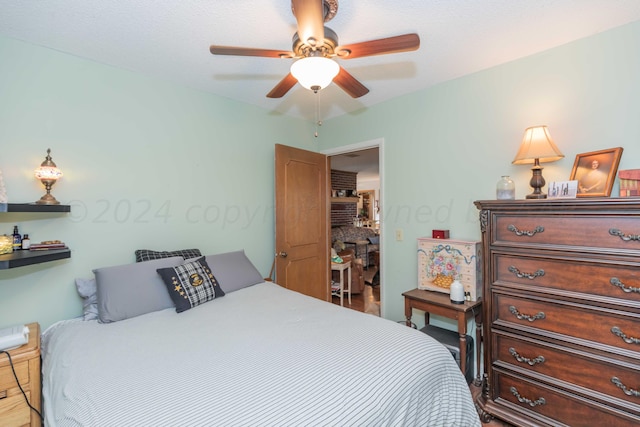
379, 144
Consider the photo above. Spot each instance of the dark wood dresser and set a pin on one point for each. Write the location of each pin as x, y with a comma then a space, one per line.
562, 311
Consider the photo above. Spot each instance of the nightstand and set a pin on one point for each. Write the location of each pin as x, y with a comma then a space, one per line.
439, 303
14, 411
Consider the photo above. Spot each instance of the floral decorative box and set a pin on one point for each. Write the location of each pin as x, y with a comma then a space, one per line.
440, 262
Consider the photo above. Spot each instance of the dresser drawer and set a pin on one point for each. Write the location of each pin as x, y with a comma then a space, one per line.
618, 233
533, 399
572, 367
7, 381
579, 324
14, 411
620, 281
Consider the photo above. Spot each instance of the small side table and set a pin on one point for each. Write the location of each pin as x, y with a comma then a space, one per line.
341, 268
440, 304
26, 362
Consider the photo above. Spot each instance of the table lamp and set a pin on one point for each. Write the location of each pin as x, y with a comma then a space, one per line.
537, 147
48, 173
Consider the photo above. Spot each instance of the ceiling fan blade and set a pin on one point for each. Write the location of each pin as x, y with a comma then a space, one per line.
283, 87
310, 17
349, 84
403, 43
247, 51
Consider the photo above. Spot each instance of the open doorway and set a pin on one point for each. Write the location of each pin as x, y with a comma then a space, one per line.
356, 221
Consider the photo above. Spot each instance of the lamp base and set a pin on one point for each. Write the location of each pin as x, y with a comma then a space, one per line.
536, 196
537, 182
47, 199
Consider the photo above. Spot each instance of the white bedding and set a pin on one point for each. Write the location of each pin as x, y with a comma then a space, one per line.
260, 356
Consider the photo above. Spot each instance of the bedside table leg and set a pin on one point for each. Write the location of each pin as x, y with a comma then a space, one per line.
407, 312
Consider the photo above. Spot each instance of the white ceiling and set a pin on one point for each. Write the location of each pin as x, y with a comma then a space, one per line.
365, 163
169, 39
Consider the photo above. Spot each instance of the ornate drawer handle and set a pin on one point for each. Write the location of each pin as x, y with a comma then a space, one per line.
530, 276
629, 340
531, 362
520, 316
627, 391
514, 229
625, 237
616, 282
532, 403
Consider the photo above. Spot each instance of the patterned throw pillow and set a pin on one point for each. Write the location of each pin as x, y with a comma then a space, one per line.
190, 284
148, 255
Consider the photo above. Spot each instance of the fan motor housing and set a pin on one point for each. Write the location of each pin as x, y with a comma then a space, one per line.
330, 9
326, 48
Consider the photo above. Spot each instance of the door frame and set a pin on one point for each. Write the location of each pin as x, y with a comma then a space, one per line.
379, 144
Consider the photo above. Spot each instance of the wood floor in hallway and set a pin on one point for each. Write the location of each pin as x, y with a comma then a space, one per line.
368, 301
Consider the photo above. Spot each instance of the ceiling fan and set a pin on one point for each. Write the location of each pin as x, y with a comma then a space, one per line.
315, 46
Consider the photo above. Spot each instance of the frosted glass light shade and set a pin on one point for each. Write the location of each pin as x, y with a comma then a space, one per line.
315, 71
48, 172
537, 144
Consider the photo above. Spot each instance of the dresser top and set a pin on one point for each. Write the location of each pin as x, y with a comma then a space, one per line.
581, 203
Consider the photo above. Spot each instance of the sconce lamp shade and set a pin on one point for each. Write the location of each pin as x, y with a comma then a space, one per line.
315, 72
48, 173
536, 147
537, 144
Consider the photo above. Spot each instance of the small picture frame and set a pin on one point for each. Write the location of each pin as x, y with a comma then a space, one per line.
596, 171
562, 190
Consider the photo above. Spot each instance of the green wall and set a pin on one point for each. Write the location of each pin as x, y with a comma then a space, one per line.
151, 164
146, 164
447, 146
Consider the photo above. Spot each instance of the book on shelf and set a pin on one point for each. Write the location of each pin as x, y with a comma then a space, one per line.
47, 246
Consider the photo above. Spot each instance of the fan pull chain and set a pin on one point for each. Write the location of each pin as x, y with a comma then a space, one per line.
318, 121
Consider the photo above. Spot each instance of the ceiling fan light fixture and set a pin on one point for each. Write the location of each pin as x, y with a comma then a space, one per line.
315, 71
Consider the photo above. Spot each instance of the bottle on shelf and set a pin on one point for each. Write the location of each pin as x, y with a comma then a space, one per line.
17, 239
26, 242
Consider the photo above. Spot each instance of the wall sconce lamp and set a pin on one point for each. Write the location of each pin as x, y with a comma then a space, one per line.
48, 173
315, 72
537, 146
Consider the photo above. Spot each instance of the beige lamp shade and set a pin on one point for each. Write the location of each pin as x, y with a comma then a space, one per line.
537, 144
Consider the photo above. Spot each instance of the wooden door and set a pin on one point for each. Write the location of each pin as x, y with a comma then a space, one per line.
302, 218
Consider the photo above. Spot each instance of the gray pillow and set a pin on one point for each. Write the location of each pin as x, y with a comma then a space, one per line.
233, 270
87, 290
130, 290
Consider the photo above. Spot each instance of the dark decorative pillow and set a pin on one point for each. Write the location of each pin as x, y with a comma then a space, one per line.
148, 255
374, 240
190, 284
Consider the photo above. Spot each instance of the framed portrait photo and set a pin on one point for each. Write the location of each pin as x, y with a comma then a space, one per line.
596, 171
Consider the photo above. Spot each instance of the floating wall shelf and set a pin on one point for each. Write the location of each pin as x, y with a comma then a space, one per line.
27, 257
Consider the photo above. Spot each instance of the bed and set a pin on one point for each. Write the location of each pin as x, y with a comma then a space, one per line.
260, 355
